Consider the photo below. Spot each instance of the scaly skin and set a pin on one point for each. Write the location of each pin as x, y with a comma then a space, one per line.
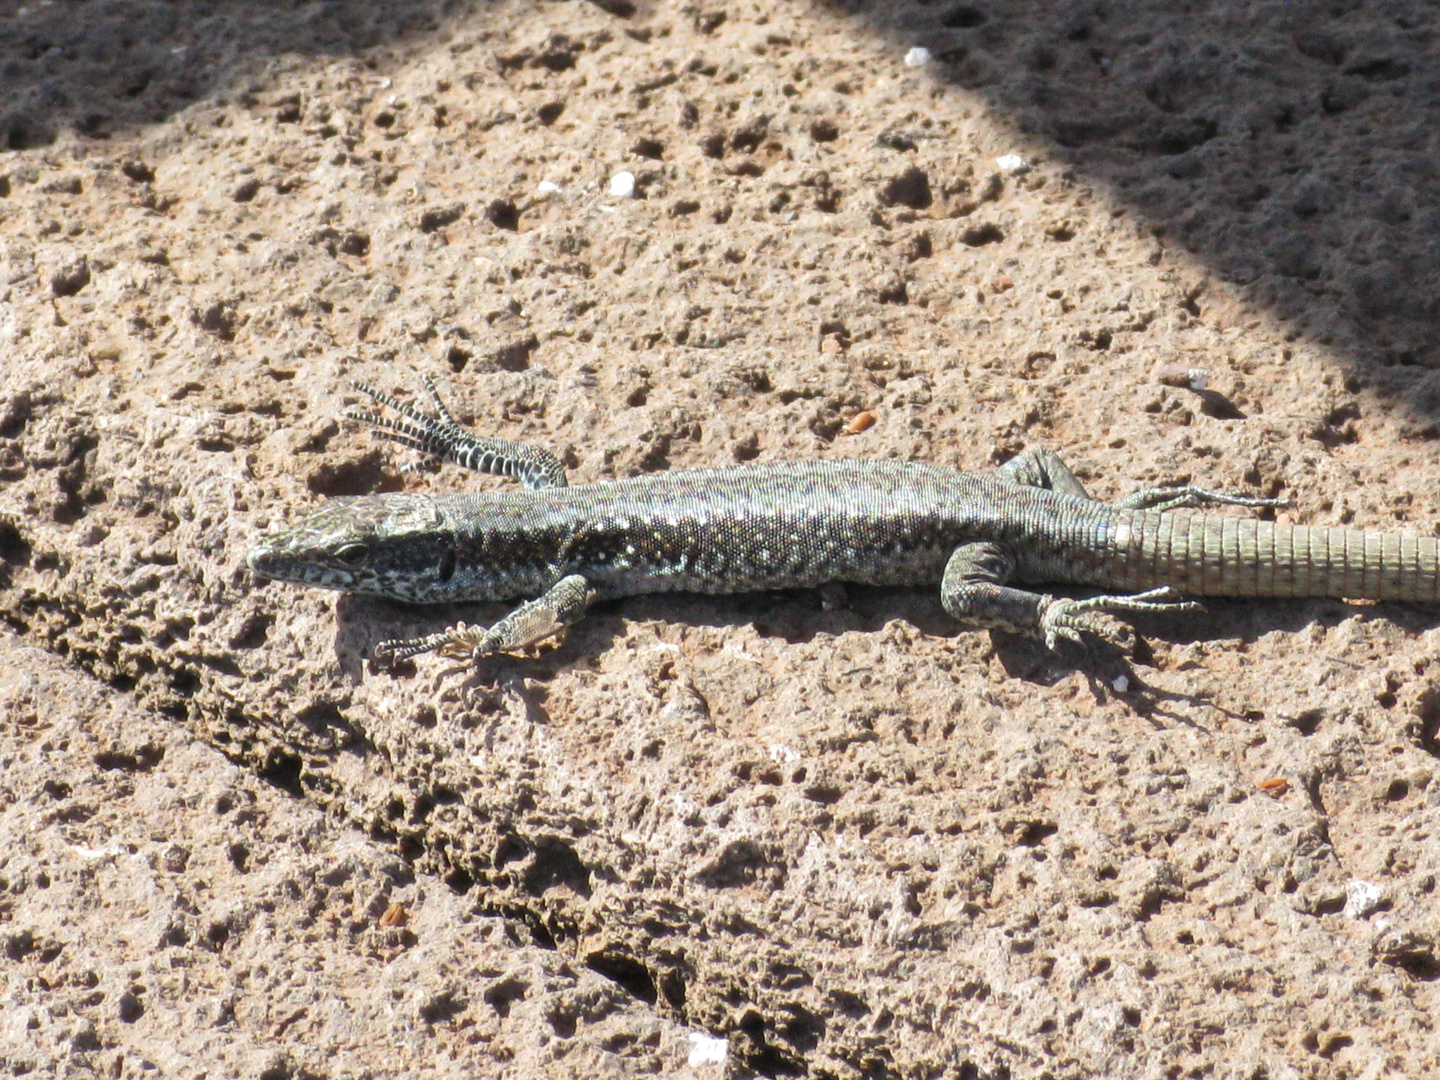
796, 524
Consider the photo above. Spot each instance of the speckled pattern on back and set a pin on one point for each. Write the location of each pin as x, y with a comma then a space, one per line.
800, 524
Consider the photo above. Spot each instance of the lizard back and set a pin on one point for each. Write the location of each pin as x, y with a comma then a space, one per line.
792, 524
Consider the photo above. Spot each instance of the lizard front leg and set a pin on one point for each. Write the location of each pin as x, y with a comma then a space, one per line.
564, 604
974, 590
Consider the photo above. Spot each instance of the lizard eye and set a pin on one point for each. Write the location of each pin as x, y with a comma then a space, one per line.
353, 554
447, 565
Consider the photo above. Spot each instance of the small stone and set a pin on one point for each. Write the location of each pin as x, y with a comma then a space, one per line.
175, 858
919, 56
545, 189
1190, 378
71, 278
1013, 164
1361, 898
706, 1049
622, 185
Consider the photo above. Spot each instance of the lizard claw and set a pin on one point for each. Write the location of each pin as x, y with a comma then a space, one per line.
1069, 619
469, 642
459, 642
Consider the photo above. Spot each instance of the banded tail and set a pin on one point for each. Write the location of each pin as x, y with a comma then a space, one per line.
1213, 555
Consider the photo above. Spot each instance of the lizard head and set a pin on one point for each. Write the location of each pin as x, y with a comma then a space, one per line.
386, 545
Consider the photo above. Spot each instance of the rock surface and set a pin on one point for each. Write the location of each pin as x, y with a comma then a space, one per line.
757, 835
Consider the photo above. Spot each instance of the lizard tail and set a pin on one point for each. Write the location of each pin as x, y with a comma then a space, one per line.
1214, 555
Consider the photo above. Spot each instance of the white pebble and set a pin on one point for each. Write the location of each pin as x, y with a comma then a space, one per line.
706, 1049
1120, 684
622, 185
919, 56
546, 188
1361, 898
1012, 163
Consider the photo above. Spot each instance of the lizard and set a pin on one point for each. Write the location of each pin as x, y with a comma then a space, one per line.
983, 536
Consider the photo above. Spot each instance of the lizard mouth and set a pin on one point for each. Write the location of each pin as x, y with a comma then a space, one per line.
280, 558
265, 560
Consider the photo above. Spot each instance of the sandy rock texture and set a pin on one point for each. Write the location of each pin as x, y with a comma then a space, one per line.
167, 910
737, 836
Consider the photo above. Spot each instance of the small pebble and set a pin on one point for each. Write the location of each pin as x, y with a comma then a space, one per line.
919, 56
860, 422
622, 185
395, 915
545, 188
1013, 164
707, 1050
1120, 684
1192, 378
70, 278
1361, 898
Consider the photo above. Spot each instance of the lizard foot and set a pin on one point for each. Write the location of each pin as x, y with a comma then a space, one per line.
463, 642
459, 642
1069, 619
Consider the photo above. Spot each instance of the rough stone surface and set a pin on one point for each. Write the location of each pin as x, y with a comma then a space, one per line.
166, 909
845, 837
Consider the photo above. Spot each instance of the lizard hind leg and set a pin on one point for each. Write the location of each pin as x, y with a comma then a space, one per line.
439, 435
974, 590
1043, 468
1162, 499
